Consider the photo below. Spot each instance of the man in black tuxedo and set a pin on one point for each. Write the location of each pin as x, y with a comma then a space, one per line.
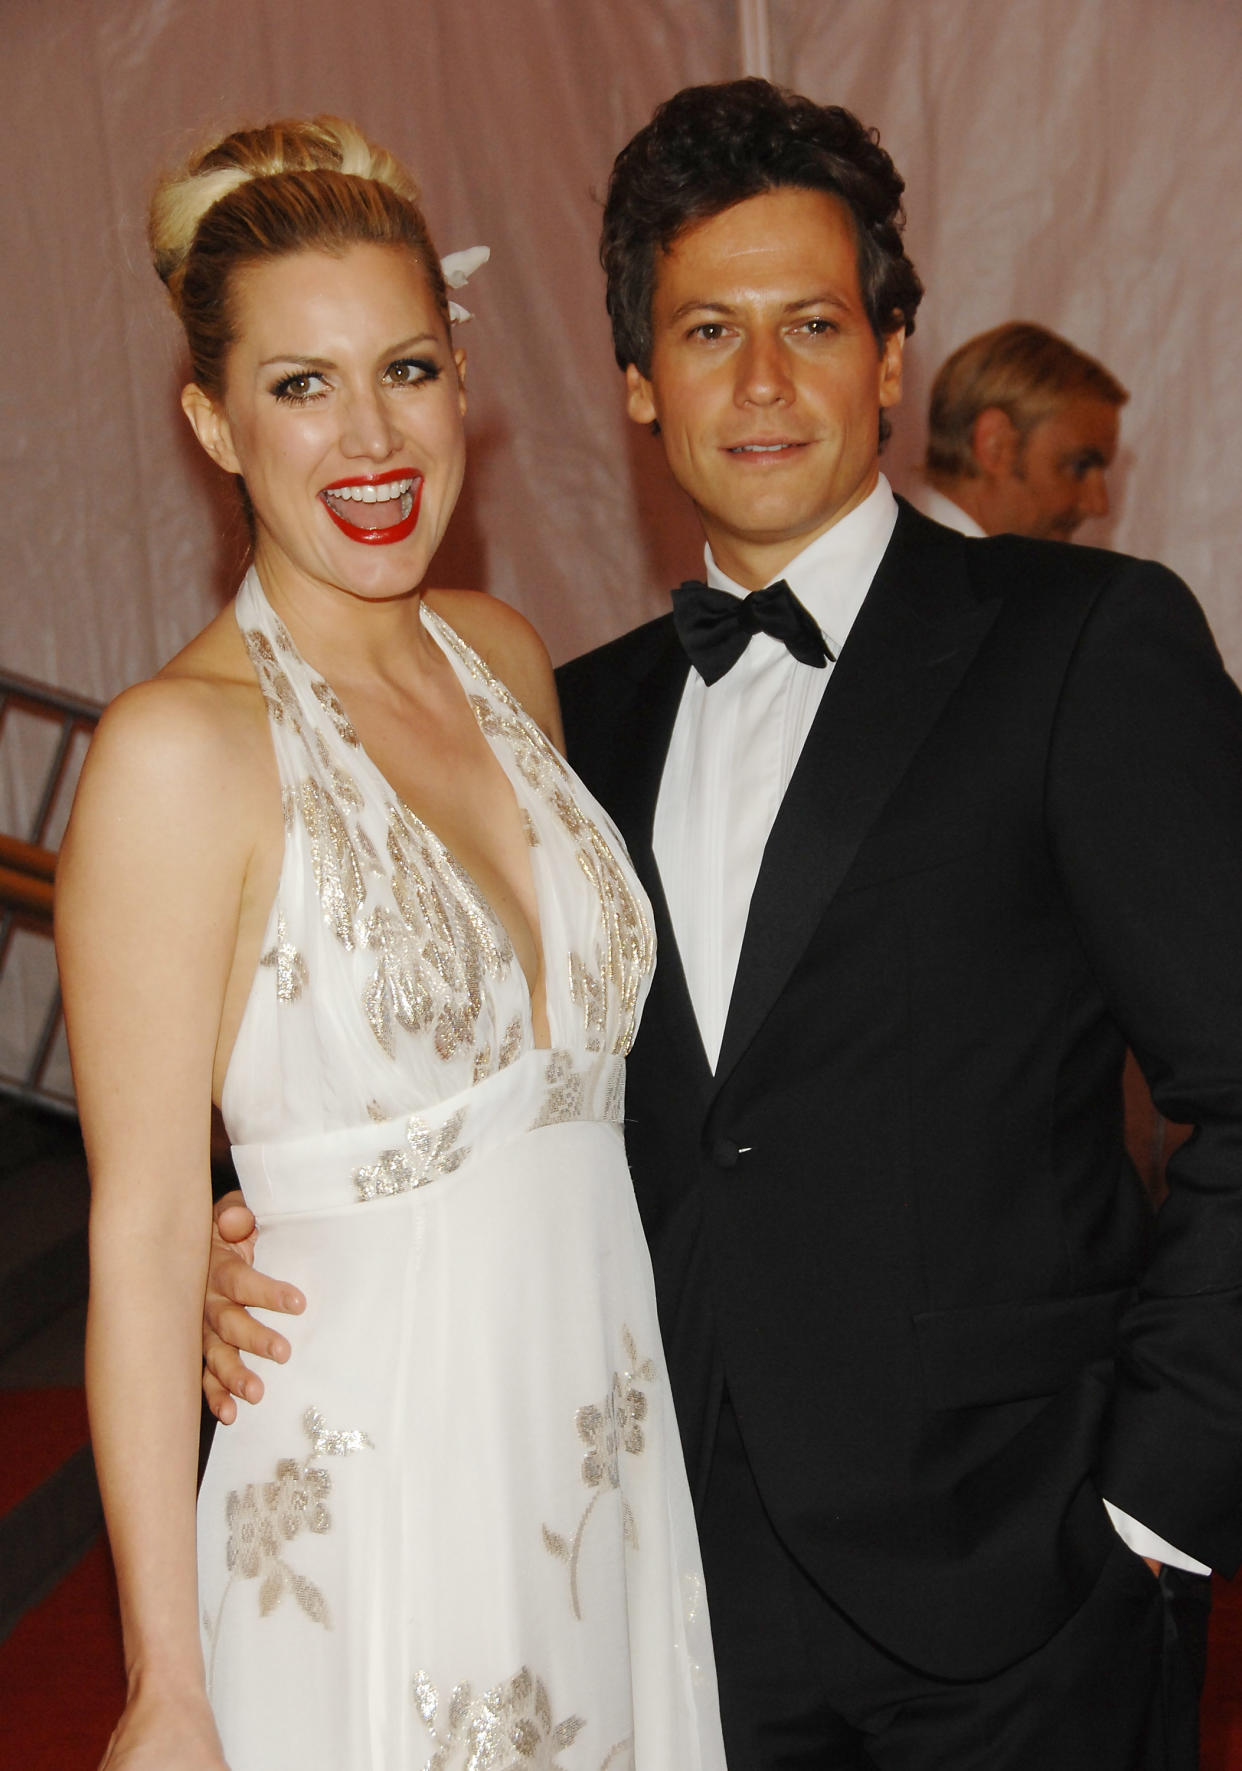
949, 1399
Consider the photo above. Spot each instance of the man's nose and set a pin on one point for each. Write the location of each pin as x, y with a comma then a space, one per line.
764, 376
1094, 501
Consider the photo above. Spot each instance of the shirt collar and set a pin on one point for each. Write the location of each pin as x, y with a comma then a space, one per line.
941, 509
833, 574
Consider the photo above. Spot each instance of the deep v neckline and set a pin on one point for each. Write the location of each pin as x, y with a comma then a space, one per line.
438, 628
432, 623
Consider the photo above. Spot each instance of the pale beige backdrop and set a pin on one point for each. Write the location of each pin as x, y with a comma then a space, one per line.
1071, 161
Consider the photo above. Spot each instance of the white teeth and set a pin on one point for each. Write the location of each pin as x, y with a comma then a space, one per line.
373, 494
759, 448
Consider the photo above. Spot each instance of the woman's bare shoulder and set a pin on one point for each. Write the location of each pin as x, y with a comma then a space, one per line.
199, 718
510, 647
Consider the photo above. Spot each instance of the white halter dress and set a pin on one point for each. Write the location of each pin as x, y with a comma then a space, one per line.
456, 1535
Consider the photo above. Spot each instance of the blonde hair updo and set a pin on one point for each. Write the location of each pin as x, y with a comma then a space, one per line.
289, 186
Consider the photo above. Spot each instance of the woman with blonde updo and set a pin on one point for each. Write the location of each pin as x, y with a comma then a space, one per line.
329, 869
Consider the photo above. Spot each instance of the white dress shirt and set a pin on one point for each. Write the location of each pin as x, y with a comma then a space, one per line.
732, 753
940, 509
733, 750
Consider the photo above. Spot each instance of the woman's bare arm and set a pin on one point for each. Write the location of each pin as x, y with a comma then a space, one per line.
148, 897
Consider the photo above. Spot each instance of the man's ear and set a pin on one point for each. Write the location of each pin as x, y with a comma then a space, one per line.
994, 442
891, 358
209, 422
639, 398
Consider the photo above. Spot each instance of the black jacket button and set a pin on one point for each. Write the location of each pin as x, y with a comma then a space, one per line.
725, 1153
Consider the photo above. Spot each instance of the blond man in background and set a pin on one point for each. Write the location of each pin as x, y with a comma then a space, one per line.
1022, 431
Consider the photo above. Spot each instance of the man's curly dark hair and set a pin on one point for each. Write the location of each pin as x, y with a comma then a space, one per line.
709, 147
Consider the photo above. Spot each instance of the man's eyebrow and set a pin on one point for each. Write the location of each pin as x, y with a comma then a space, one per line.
700, 305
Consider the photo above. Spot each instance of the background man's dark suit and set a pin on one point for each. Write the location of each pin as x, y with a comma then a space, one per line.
899, 1223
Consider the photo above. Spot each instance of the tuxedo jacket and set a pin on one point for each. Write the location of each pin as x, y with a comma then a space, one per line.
898, 1223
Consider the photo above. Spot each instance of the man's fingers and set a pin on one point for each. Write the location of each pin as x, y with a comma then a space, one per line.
228, 1373
233, 1280
218, 1399
233, 1220
241, 1333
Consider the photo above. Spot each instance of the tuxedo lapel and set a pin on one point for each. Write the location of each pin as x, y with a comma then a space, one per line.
913, 639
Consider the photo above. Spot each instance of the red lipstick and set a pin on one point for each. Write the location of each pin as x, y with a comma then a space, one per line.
341, 496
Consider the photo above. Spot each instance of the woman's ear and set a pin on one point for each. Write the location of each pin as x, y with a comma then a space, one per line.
210, 425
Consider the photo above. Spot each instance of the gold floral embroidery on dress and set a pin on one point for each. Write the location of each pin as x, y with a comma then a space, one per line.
511, 1046
397, 993
326, 697
368, 851
280, 633
614, 1100
607, 1429
278, 691
428, 1153
587, 989
292, 976
505, 1728
610, 980
263, 1517
512, 1043
343, 785
338, 877
562, 1099
432, 970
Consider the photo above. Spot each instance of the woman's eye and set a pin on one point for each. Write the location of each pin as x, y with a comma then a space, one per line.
409, 371
296, 390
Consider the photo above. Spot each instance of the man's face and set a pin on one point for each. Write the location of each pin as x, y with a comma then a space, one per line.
1053, 479
766, 378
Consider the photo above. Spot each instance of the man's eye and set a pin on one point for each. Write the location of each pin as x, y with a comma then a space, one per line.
819, 327
709, 330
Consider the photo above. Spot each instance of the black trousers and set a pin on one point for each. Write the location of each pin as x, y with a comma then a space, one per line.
801, 1689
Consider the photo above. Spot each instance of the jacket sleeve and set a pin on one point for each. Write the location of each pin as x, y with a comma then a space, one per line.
1144, 814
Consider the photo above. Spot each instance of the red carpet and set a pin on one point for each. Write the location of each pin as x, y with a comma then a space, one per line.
62, 1684
1221, 1739
39, 1429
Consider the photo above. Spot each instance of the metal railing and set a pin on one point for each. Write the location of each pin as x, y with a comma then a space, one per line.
27, 868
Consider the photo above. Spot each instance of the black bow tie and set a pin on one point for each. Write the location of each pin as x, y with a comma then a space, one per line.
715, 627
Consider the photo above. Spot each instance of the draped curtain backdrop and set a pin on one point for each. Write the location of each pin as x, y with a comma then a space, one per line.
1068, 161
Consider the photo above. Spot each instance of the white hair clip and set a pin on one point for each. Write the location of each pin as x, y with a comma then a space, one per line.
458, 268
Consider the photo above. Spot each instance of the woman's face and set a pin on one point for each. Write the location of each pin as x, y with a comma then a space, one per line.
342, 411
